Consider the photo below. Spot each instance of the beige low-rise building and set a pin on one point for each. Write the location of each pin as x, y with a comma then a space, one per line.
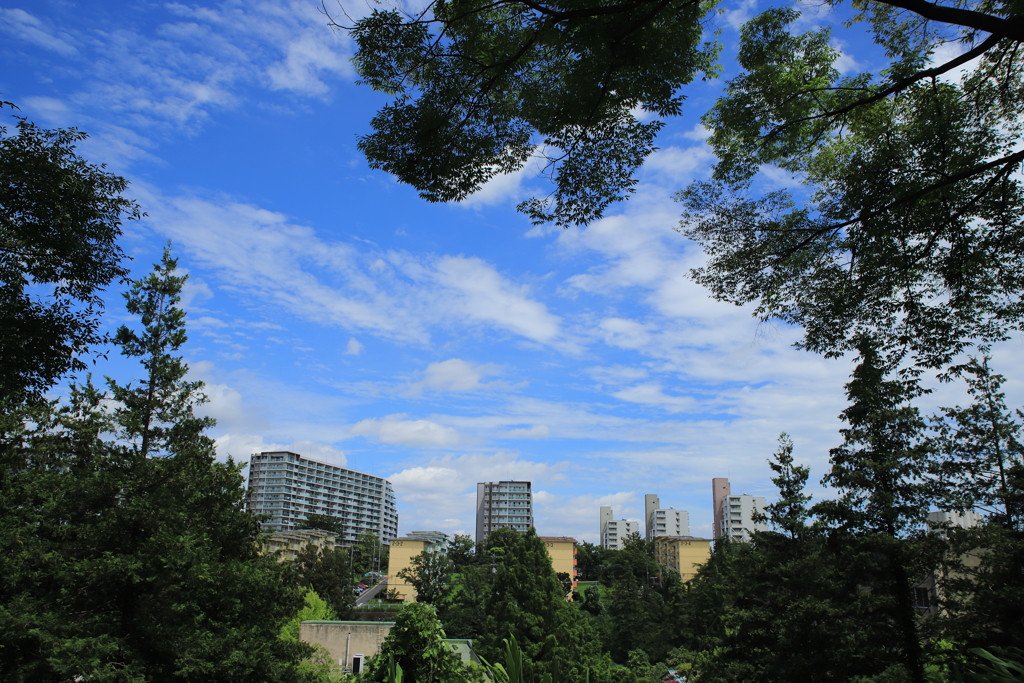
685, 554
350, 643
290, 543
562, 551
400, 557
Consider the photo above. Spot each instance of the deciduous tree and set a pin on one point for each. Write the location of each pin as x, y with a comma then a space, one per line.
429, 573
60, 218
905, 218
416, 644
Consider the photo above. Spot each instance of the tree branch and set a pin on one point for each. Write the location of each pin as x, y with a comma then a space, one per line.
1012, 28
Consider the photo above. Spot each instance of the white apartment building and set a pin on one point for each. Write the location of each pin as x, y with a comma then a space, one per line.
288, 487
615, 532
669, 522
737, 515
503, 505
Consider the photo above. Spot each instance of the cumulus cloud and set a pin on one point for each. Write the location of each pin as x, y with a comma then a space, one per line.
441, 493
394, 429
241, 446
353, 348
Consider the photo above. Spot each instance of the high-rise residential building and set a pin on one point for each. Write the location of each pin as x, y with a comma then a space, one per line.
669, 522
606, 515
659, 521
719, 490
651, 503
737, 514
615, 532
503, 505
288, 487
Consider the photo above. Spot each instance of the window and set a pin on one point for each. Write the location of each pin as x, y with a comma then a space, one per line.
922, 598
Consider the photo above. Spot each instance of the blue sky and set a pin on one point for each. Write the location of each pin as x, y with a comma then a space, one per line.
334, 313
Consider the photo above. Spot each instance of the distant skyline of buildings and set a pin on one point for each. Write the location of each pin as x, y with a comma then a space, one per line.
287, 486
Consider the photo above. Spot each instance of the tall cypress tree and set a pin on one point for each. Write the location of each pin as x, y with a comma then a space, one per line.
879, 472
128, 554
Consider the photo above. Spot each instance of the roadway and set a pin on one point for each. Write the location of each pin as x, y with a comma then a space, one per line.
370, 592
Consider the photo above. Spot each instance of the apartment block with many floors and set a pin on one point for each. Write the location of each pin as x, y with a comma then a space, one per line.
615, 531
288, 487
669, 522
503, 505
737, 515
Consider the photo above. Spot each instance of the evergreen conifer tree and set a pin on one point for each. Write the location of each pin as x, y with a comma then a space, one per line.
127, 552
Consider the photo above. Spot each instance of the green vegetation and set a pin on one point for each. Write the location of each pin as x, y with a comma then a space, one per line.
128, 554
900, 240
415, 647
60, 218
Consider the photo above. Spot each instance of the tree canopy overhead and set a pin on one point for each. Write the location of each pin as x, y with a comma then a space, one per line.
904, 216
480, 87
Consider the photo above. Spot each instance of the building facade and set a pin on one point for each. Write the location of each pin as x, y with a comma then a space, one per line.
562, 551
403, 550
288, 487
651, 503
719, 490
290, 543
685, 554
737, 515
503, 505
616, 531
669, 522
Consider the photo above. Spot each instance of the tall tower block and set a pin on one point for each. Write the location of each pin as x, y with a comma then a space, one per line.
719, 490
651, 503
606, 516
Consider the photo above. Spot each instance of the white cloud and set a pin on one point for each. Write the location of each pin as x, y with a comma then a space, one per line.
454, 375
134, 85
395, 295
306, 56
534, 432
741, 14
948, 51
487, 296
680, 164
652, 394
617, 374
505, 187
353, 348
242, 446
31, 29
393, 429
699, 132
441, 492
